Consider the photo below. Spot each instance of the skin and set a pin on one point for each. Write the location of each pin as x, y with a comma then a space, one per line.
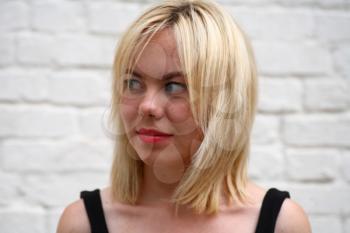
163, 105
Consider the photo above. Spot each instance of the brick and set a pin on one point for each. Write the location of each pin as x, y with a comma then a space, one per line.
10, 183
333, 3
325, 224
347, 225
35, 49
332, 26
327, 94
266, 163
315, 3
341, 57
296, 3
94, 123
9, 87
58, 190
56, 156
37, 122
77, 88
274, 24
345, 162
312, 164
28, 85
13, 15
112, 17
265, 130
8, 126
298, 58
22, 220
280, 95
58, 16
7, 50
79, 50
321, 199
53, 218
317, 130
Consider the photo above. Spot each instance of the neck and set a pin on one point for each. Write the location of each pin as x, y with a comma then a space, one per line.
159, 184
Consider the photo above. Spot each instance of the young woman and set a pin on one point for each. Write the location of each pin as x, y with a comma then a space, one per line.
184, 100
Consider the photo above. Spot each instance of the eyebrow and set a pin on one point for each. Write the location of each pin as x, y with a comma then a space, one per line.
165, 77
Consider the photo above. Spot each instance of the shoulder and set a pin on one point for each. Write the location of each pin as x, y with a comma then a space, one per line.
292, 219
74, 219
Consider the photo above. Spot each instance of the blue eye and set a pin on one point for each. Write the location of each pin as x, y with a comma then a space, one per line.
132, 84
174, 87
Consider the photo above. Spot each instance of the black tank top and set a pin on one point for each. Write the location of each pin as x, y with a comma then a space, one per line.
266, 224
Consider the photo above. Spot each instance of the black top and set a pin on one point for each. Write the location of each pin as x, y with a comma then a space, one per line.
266, 224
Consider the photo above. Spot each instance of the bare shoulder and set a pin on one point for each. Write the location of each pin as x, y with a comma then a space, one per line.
292, 219
74, 219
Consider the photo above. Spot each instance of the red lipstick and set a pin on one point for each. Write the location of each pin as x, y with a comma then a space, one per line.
152, 135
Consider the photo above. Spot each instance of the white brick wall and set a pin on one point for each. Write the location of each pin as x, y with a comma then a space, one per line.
58, 16
55, 61
22, 219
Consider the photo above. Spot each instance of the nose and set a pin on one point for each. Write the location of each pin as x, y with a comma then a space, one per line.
152, 104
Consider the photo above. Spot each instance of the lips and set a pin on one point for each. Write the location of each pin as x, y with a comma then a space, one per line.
152, 132
153, 136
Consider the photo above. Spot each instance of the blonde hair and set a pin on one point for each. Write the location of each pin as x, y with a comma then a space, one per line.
220, 71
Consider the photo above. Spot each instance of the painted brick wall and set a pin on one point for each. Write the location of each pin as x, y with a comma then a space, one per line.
55, 66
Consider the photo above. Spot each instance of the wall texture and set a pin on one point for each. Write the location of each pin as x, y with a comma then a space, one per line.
55, 62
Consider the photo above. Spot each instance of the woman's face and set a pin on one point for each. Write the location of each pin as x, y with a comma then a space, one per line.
155, 108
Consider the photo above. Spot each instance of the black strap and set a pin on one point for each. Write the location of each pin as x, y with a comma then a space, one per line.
269, 210
93, 206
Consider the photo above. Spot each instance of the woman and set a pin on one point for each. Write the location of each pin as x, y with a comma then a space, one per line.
184, 100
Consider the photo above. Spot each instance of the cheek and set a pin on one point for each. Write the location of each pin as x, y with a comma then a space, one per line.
128, 112
181, 118
179, 112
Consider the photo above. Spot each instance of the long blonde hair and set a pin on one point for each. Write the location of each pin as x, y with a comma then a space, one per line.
220, 70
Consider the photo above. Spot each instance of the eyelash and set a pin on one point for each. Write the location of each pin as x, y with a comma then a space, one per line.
128, 81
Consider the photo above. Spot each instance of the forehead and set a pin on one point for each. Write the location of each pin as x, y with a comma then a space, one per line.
165, 38
160, 56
